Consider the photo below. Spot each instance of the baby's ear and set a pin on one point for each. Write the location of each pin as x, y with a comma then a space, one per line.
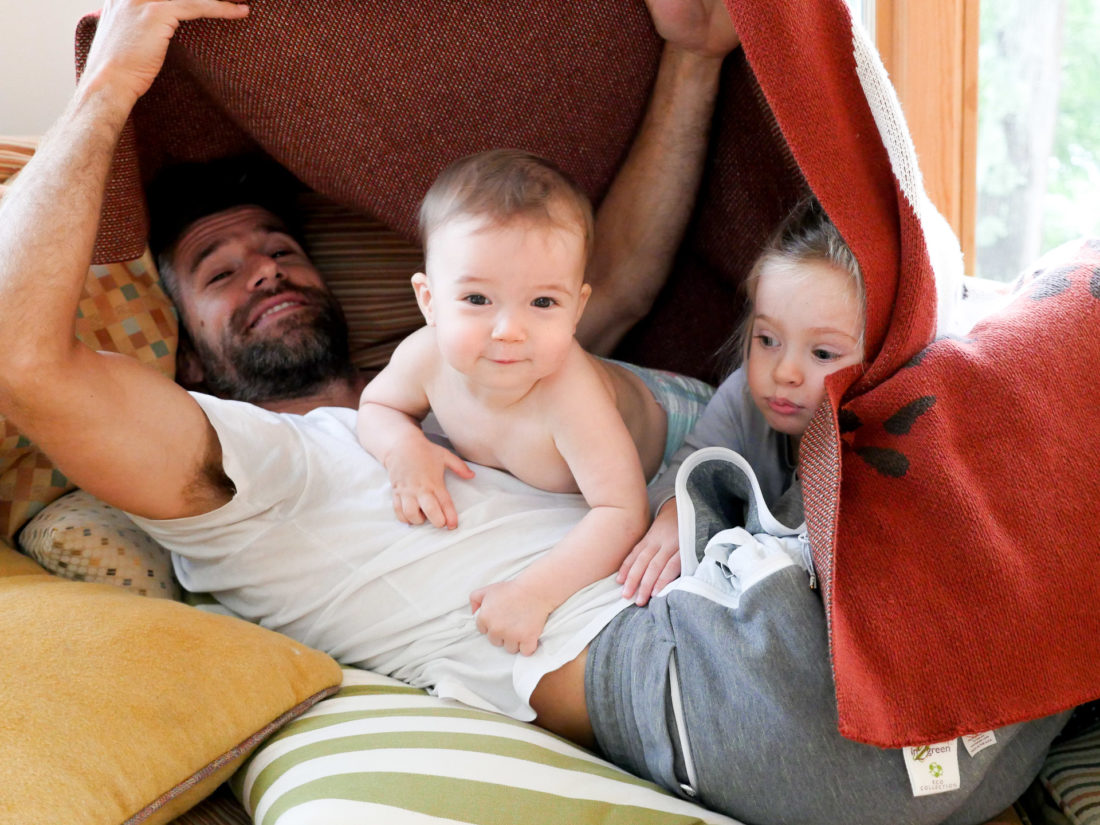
584, 295
423, 291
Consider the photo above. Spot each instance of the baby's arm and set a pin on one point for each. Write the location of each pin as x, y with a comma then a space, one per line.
390, 411
592, 438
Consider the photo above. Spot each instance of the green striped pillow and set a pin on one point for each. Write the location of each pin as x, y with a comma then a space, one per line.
382, 752
1071, 774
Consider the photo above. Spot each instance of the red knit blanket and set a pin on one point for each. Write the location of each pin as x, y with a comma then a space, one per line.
950, 492
950, 509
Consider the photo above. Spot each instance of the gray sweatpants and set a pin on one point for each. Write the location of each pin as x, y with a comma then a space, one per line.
760, 716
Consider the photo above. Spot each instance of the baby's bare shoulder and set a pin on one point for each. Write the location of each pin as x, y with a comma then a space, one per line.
579, 372
418, 350
579, 388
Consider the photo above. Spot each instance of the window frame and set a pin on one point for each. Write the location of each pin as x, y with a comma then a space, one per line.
930, 50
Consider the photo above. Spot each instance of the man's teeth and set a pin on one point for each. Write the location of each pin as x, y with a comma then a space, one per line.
276, 308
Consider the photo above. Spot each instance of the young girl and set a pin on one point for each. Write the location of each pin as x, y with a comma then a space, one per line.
804, 322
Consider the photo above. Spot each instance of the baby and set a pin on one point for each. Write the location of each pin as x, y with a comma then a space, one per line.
506, 240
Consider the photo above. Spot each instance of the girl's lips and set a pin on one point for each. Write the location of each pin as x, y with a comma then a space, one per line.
783, 407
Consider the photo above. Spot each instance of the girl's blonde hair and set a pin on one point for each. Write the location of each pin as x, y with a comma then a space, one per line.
806, 234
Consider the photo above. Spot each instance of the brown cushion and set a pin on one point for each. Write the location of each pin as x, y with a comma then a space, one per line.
368, 266
366, 102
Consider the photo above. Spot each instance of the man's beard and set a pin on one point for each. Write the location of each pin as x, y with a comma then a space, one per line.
298, 357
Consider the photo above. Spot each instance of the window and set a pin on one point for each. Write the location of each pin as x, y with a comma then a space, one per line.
929, 48
1001, 98
863, 10
1038, 157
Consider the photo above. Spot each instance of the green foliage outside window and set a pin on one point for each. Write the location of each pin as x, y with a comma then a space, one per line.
1039, 130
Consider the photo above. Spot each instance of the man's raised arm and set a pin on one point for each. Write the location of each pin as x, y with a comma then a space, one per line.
106, 420
642, 219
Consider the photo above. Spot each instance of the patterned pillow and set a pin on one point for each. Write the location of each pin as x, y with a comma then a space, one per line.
124, 710
79, 537
380, 751
122, 309
368, 267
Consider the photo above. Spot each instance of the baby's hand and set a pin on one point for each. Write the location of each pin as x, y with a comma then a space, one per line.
655, 560
416, 471
511, 615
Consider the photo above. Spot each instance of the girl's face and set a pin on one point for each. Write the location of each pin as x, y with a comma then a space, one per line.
807, 323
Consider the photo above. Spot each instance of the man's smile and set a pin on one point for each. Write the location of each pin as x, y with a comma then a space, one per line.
275, 306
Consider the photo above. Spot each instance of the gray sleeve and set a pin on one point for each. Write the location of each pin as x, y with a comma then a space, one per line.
722, 424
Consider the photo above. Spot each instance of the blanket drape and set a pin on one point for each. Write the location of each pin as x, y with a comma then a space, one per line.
366, 102
949, 487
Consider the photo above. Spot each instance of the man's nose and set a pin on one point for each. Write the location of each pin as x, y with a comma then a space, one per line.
263, 270
508, 327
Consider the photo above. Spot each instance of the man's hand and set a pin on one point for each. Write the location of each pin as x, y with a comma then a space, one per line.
511, 615
132, 39
642, 218
417, 468
655, 560
703, 27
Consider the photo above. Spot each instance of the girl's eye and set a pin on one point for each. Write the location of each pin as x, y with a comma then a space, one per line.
543, 302
825, 355
476, 299
765, 339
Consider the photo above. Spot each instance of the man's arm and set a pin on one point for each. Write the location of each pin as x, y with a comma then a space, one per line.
115, 427
642, 218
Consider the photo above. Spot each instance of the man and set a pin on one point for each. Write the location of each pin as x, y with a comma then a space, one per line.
731, 706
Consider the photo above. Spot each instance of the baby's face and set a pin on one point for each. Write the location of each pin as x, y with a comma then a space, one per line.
505, 299
807, 324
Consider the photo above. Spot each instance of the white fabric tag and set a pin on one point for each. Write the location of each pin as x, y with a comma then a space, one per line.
978, 742
933, 768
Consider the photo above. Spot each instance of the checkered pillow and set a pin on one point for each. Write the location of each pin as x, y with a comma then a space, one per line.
81, 538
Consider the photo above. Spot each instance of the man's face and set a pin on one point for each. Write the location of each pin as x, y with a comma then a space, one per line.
263, 324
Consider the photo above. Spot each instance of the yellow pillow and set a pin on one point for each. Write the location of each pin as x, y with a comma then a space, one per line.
116, 708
